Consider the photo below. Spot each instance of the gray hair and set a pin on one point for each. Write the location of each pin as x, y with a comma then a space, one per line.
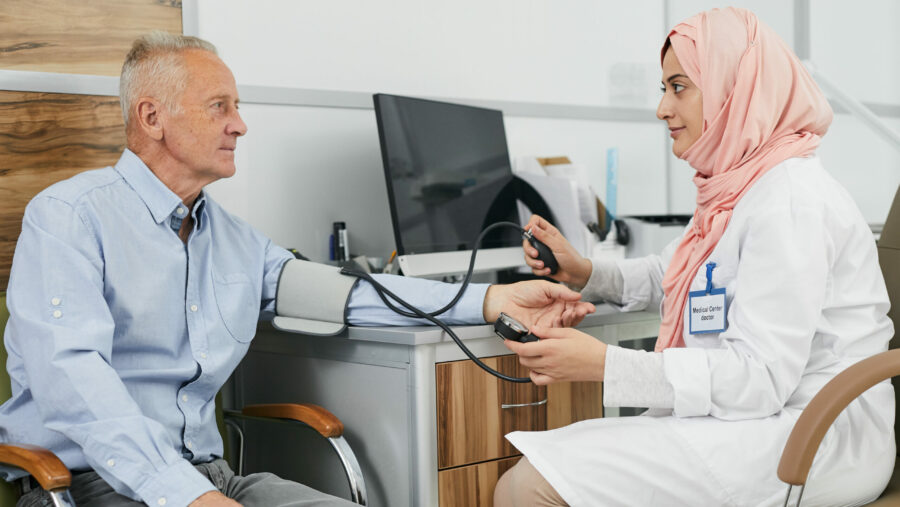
154, 67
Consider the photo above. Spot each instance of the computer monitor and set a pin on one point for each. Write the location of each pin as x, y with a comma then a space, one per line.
448, 177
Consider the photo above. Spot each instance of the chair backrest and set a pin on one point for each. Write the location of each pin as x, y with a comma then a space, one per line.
889, 258
5, 391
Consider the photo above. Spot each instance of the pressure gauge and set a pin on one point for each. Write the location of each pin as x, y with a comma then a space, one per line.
509, 328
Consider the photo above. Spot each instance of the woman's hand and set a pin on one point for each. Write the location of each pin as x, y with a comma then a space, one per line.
536, 302
573, 268
561, 355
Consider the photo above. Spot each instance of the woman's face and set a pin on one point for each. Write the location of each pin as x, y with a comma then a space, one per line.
681, 106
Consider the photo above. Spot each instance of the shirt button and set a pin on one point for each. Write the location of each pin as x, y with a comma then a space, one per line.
110, 462
203, 355
188, 444
55, 301
184, 397
161, 501
193, 308
57, 314
180, 211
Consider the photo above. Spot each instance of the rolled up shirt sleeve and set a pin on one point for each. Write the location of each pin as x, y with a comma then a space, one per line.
367, 309
275, 258
62, 333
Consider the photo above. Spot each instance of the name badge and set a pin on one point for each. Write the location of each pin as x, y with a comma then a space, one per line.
707, 307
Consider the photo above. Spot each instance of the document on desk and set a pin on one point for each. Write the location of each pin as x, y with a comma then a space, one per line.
565, 202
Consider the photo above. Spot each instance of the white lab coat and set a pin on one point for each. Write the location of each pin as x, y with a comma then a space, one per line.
805, 299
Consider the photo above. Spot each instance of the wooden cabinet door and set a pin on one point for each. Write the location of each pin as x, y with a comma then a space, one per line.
473, 485
475, 410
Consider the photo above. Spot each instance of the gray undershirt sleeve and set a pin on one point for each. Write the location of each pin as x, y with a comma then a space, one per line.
636, 378
606, 282
632, 378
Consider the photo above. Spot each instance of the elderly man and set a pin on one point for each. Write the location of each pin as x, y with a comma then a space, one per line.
133, 296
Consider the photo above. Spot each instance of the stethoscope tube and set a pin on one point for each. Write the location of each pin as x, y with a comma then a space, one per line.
414, 312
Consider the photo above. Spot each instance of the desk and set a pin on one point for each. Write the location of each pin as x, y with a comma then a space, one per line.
381, 382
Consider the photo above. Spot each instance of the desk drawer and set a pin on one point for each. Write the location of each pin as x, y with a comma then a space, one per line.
473, 485
475, 409
471, 417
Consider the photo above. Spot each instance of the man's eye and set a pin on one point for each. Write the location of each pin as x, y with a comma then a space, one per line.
677, 87
662, 89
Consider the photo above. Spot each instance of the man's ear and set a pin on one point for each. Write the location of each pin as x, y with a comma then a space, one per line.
148, 118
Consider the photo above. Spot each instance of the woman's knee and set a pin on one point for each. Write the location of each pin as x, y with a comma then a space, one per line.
523, 486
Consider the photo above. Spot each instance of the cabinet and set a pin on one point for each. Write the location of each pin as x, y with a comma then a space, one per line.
476, 410
426, 424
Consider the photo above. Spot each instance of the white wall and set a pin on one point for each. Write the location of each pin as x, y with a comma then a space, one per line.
642, 154
302, 167
857, 49
519, 50
856, 45
779, 14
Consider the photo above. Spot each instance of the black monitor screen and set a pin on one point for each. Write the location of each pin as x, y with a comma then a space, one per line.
448, 173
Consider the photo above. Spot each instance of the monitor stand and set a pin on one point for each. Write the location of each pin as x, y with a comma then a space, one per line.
455, 263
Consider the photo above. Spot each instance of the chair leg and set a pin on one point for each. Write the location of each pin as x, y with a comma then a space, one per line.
351, 468
62, 498
788, 497
240, 452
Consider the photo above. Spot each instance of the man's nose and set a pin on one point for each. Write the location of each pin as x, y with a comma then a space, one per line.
237, 126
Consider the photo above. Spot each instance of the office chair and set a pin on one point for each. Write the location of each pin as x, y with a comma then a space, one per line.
52, 475
817, 417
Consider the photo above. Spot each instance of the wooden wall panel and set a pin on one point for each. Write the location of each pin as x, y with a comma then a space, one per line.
75, 37
44, 138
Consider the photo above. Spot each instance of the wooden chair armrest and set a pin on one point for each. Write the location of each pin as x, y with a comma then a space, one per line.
42, 464
810, 428
323, 421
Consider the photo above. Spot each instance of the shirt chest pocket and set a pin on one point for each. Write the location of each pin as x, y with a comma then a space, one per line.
238, 303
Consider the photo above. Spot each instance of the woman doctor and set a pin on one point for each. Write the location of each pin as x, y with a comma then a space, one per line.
773, 289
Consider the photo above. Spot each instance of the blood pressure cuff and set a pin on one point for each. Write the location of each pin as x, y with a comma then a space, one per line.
312, 298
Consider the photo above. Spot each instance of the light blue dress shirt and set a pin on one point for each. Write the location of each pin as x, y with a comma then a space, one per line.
120, 335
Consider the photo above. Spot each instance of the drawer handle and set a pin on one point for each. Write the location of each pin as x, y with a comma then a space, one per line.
517, 405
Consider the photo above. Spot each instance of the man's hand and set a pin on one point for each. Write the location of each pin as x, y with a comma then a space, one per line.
561, 355
213, 499
536, 302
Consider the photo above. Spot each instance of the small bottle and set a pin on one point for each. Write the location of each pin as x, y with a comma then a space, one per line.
341, 246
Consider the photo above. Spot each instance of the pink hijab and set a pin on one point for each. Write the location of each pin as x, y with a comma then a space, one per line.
760, 107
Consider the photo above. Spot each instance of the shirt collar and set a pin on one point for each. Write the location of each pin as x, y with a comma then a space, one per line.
158, 198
